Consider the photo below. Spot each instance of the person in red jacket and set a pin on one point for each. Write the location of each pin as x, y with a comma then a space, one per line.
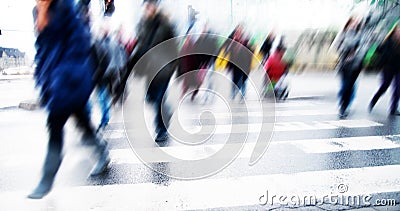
275, 67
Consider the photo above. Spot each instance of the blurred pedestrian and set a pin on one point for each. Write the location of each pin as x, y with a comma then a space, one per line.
275, 68
195, 59
267, 46
389, 52
114, 56
189, 65
350, 63
207, 42
236, 48
153, 29
64, 74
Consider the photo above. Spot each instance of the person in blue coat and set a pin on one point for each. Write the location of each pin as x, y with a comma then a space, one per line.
64, 76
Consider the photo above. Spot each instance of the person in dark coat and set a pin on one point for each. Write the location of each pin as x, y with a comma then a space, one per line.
197, 53
153, 29
64, 76
189, 66
236, 47
349, 67
267, 46
390, 59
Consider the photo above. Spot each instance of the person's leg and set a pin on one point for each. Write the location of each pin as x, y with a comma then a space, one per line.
395, 95
90, 138
387, 77
236, 82
55, 124
210, 87
163, 114
342, 87
185, 87
243, 84
347, 92
105, 105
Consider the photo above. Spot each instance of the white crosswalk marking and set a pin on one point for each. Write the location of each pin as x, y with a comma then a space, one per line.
214, 193
268, 113
283, 126
128, 156
124, 156
279, 127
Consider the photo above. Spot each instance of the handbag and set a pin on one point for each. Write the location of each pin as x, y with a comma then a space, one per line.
222, 60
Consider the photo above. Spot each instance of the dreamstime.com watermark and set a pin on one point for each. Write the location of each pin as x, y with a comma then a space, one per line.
341, 198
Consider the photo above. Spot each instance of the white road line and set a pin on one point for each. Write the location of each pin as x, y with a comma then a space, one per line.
280, 126
216, 193
128, 156
185, 152
267, 113
256, 105
256, 127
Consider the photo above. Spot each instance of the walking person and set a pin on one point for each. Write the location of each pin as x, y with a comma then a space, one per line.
236, 48
153, 29
115, 58
275, 68
64, 74
390, 61
350, 64
267, 46
189, 66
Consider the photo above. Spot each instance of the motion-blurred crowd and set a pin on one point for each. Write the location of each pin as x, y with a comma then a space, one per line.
74, 64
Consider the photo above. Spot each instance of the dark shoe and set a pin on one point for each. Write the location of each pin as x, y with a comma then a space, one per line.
161, 137
371, 106
101, 127
343, 114
101, 165
395, 113
103, 161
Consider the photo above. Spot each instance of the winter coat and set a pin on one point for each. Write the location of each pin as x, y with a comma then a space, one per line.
275, 66
389, 52
64, 65
189, 63
240, 55
348, 47
151, 33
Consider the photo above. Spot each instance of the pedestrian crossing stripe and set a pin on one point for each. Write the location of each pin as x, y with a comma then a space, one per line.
257, 127
311, 146
185, 152
259, 104
218, 115
216, 193
280, 126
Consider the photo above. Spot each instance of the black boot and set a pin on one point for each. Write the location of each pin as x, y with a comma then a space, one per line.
372, 104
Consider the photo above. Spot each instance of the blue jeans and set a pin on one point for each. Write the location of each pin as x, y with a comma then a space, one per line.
347, 91
239, 82
154, 96
105, 104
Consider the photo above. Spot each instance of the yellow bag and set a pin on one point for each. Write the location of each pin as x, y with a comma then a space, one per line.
256, 60
222, 61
